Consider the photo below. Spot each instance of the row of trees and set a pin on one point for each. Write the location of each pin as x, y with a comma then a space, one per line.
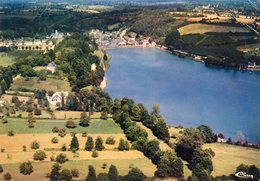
138, 112
168, 164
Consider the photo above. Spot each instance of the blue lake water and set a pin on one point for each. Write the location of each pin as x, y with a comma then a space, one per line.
189, 93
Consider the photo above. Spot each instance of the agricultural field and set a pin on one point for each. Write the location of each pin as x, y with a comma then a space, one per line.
20, 126
199, 28
6, 59
55, 85
73, 115
13, 154
228, 157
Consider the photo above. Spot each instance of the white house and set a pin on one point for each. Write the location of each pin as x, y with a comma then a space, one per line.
51, 67
56, 98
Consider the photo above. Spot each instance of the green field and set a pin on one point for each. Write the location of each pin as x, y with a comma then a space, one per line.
200, 28
20, 126
50, 84
228, 157
42, 168
6, 59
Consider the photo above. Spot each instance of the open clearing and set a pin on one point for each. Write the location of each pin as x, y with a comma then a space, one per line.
6, 60
42, 168
50, 84
20, 126
73, 115
228, 157
205, 28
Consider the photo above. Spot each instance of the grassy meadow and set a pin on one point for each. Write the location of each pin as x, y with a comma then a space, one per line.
50, 84
20, 126
228, 157
199, 28
6, 59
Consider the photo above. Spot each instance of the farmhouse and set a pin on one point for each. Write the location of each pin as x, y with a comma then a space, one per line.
57, 97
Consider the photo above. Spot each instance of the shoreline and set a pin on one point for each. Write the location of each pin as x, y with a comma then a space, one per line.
193, 57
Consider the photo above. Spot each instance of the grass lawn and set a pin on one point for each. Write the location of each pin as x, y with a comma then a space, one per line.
50, 84
6, 60
205, 28
228, 157
42, 168
20, 126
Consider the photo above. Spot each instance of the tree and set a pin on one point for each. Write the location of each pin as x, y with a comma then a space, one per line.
136, 113
55, 172
61, 158
169, 166
123, 145
94, 154
135, 174
84, 120
110, 140
75, 173
65, 175
70, 124
7, 176
74, 145
153, 151
54, 140
37, 112
99, 144
89, 144
91, 174
35, 145
26, 168
104, 115
112, 173
1, 169
209, 135
189, 141
39, 155
201, 160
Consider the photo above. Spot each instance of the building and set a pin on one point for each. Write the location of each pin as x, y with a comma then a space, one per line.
51, 67
57, 35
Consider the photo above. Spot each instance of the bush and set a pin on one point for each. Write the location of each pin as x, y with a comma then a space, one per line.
63, 147
4, 121
84, 120
123, 145
62, 132
26, 168
24, 148
99, 144
103, 115
55, 129
7, 176
84, 134
35, 145
39, 155
1, 169
37, 112
65, 175
70, 124
135, 174
75, 173
10, 133
31, 125
54, 140
94, 154
61, 158
110, 140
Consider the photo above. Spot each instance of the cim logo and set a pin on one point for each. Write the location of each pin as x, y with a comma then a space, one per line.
244, 175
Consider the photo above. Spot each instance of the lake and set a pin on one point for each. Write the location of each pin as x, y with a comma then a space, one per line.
189, 93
